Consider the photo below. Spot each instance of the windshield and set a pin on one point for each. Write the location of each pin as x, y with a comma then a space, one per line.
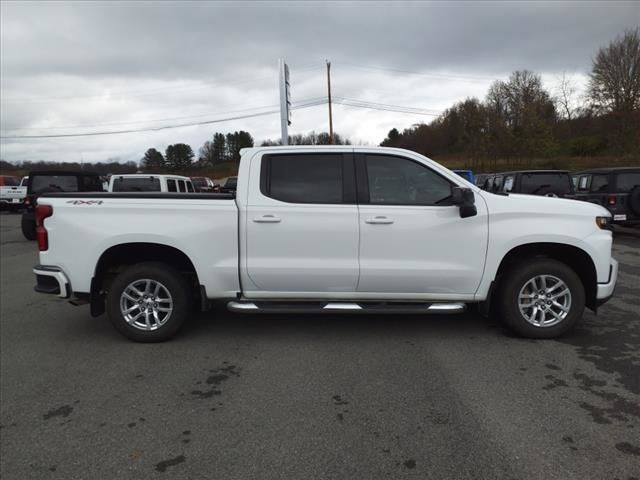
545, 183
136, 184
11, 181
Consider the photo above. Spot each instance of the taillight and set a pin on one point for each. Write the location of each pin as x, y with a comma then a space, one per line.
611, 200
42, 212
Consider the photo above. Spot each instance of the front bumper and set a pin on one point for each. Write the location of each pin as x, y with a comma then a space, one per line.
51, 280
605, 290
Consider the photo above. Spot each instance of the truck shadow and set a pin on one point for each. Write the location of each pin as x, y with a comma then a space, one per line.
220, 323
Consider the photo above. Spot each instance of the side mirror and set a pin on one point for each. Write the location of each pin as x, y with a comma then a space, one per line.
465, 199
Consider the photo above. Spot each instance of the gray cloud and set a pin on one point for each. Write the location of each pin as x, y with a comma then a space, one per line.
75, 64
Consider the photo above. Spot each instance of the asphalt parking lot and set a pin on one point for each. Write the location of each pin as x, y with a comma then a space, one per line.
330, 397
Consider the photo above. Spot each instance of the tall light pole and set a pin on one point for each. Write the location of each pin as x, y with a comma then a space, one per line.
285, 101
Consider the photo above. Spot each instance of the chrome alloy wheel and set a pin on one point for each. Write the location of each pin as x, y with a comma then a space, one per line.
146, 304
544, 301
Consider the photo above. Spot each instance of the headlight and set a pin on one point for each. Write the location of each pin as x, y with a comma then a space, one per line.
604, 222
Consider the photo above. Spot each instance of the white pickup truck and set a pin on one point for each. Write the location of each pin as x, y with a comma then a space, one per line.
12, 192
332, 230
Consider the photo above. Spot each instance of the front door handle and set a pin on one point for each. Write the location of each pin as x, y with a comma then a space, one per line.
267, 219
379, 220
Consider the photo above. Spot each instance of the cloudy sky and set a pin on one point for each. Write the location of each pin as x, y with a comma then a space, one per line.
74, 67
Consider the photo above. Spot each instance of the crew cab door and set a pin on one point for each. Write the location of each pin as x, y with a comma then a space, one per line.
301, 224
413, 242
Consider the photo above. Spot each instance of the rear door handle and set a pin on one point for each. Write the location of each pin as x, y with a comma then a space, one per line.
267, 219
379, 220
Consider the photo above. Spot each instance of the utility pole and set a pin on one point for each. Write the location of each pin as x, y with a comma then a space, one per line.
329, 97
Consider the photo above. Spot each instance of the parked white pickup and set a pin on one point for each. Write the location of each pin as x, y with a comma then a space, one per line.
11, 193
328, 229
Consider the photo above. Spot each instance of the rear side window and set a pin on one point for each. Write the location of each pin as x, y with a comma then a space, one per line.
400, 181
583, 183
544, 183
303, 178
171, 186
625, 182
136, 184
54, 183
600, 183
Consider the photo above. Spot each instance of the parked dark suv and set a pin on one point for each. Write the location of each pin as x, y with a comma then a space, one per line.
616, 189
550, 183
52, 181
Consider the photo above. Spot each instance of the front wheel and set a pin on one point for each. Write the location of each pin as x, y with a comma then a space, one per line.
542, 298
148, 302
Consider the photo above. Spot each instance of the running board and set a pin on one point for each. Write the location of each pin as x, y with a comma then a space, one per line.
345, 307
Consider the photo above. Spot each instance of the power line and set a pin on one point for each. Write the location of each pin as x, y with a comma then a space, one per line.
445, 76
144, 93
385, 107
133, 122
164, 127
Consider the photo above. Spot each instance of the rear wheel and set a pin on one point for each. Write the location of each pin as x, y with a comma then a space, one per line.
28, 224
542, 298
148, 302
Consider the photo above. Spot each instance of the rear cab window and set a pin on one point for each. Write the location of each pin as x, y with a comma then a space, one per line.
53, 183
136, 184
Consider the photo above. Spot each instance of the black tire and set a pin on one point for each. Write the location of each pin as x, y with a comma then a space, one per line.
516, 278
28, 224
171, 280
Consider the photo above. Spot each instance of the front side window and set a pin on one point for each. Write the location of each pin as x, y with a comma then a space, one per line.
190, 187
625, 182
303, 178
171, 186
399, 181
181, 186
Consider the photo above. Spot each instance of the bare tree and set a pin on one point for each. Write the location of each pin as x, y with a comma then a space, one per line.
614, 84
565, 96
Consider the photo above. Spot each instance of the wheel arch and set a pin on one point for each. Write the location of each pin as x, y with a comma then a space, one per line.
574, 257
117, 257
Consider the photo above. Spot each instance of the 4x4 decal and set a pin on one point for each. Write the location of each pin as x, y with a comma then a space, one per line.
85, 202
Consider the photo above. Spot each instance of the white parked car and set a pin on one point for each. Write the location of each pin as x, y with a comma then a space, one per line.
333, 230
138, 182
